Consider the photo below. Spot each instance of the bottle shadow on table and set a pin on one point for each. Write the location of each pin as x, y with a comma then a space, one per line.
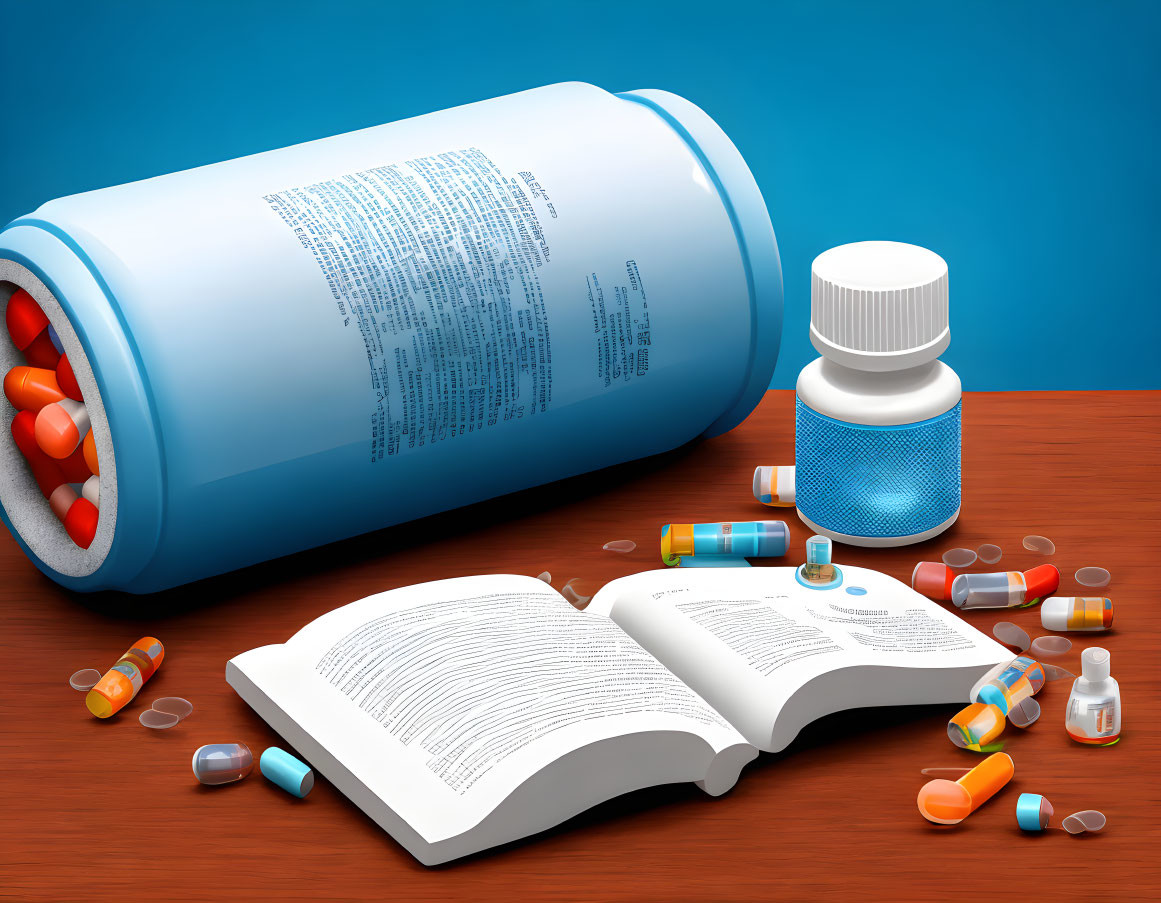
365, 549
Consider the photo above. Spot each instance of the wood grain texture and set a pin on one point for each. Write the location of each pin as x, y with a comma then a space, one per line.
95, 810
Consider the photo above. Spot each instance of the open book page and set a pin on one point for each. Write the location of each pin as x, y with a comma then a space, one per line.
770, 653
443, 698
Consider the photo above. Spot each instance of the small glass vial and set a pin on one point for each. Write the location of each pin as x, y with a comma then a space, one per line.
1094, 706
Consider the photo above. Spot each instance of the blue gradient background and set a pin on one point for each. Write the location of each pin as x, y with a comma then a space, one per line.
1018, 140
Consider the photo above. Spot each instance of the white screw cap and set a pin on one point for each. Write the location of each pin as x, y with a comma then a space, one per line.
879, 305
1095, 663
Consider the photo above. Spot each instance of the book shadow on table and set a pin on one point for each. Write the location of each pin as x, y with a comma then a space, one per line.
367, 548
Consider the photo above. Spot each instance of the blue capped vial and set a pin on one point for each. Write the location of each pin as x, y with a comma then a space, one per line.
222, 763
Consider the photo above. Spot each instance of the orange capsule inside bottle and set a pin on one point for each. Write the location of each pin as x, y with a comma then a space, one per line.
31, 388
950, 802
89, 451
61, 427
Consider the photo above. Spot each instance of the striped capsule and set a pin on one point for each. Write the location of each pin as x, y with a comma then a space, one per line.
124, 680
61, 427
1077, 613
1006, 589
984, 720
774, 485
726, 541
31, 388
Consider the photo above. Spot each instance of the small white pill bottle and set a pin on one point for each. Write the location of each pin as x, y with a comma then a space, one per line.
877, 417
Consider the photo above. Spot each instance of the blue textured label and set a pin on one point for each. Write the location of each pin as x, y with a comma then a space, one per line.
877, 481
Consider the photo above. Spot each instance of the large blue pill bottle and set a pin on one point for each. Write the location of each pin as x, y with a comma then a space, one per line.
877, 417
296, 347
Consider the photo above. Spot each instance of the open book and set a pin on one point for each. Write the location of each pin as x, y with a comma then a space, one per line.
465, 713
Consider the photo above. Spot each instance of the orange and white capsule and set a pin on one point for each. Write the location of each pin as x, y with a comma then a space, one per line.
61, 427
1078, 613
24, 319
31, 388
774, 485
124, 680
948, 803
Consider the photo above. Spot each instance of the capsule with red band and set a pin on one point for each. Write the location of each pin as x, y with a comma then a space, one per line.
125, 679
1006, 589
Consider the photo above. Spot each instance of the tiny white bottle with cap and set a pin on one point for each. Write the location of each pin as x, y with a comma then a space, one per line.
1094, 706
877, 424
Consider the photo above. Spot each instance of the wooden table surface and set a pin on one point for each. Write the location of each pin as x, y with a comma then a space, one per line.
110, 810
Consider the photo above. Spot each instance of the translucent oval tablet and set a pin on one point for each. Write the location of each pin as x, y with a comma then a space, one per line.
989, 554
1041, 544
1088, 820
173, 705
1053, 672
1011, 634
623, 546
159, 721
959, 558
579, 591
1093, 577
222, 763
1024, 713
1049, 646
85, 679
545, 576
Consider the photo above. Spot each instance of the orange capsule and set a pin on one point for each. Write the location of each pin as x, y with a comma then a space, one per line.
67, 380
24, 319
948, 803
124, 680
42, 352
89, 450
81, 522
47, 472
61, 426
31, 388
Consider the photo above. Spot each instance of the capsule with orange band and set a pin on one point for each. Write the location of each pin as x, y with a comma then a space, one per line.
124, 680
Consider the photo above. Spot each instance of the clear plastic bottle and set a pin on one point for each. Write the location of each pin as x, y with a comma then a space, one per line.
1094, 706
